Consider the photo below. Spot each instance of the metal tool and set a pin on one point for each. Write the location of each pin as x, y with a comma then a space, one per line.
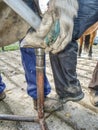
40, 86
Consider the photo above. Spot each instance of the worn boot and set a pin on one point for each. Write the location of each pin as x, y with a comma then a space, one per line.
2, 96
94, 97
75, 97
50, 104
53, 104
93, 87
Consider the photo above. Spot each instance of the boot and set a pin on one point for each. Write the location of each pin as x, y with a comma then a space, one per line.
53, 104
2, 96
73, 97
94, 97
50, 104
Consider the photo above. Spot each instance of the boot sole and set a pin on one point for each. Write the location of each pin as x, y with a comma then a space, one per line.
77, 98
60, 107
74, 99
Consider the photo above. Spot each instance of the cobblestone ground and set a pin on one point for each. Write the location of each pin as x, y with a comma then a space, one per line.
75, 115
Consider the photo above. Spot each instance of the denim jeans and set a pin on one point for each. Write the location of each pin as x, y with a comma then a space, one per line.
29, 63
2, 85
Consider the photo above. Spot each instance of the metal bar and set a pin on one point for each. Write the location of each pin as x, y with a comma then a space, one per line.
18, 118
40, 87
40, 80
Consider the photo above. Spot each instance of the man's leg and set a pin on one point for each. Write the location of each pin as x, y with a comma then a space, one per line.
93, 87
64, 71
64, 63
2, 87
29, 64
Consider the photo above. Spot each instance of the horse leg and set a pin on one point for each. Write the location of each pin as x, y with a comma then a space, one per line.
90, 46
90, 51
80, 47
92, 36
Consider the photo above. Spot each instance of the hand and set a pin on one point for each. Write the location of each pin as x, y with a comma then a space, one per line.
62, 40
31, 40
59, 44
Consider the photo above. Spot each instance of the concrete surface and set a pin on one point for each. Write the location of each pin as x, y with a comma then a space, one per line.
75, 116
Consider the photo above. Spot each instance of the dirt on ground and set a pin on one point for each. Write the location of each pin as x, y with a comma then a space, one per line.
80, 115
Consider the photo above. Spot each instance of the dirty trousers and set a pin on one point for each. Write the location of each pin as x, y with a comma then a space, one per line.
64, 63
94, 81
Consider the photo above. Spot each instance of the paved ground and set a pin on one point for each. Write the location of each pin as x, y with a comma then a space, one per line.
75, 116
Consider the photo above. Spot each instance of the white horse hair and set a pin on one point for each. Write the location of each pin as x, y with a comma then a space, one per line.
64, 11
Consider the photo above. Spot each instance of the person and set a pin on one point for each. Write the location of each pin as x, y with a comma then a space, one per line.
66, 82
64, 63
63, 58
93, 87
2, 88
28, 58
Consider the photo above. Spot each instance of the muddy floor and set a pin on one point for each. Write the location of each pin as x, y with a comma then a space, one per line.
74, 116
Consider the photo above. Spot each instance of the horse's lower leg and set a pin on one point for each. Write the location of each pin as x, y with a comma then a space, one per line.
80, 47
80, 51
90, 52
92, 36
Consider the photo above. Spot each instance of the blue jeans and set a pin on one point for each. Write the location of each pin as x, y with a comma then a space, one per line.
29, 63
2, 85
